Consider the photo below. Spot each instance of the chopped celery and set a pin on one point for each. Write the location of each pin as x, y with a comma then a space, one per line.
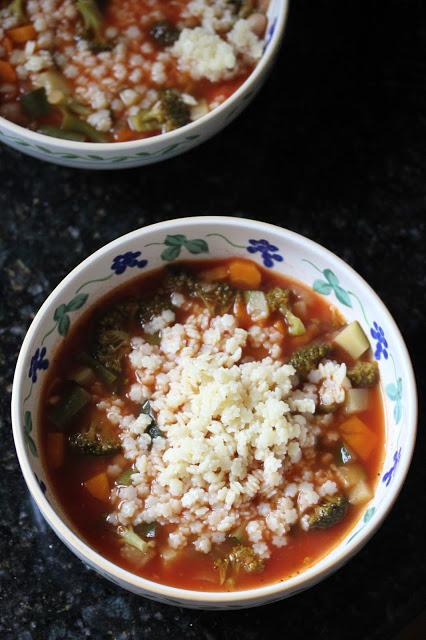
130, 537
35, 103
356, 400
101, 372
74, 399
125, 478
353, 340
56, 132
256, 304
295, 325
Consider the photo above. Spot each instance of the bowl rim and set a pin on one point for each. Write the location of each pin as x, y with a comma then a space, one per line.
160, 591
90, 147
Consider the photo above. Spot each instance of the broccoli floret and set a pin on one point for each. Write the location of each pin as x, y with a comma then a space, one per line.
111, 340
239, 558
217, 296
169, 113
329, 512
93, 443
131, 538
152, 307
164, 33
279, 300
364, 374
306, 359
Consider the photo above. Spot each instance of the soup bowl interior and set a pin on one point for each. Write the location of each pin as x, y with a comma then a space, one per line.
120, 155
200, 238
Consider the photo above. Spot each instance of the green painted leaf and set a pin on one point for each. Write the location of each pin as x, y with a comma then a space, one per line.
342, 295
171, 253
59, 312
369, 514
392, 391
77, 302
28, 423
322, 287
31, 446
197, 246
397, 412
63, 325
331, 277
175, 241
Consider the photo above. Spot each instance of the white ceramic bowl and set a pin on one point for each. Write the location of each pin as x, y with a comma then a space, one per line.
200, 238
120, 155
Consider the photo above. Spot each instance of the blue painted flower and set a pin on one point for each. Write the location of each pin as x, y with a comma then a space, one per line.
382, 344
38, 362
389, 474
267, 250
128, 259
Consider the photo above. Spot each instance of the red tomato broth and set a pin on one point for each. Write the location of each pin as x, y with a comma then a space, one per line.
192, 569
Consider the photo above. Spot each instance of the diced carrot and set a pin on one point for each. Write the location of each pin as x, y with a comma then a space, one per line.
215, 274
7, 45
7, 72
244, 274
358, 436
55, 449
23, 34
124, 135
279, 325
98, 486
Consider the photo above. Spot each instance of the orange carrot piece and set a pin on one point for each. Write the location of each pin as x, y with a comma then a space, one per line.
358, 436
23, 34
215, 274
124, 135
98, 486
7, 72
244, 274
55, 449
7, 44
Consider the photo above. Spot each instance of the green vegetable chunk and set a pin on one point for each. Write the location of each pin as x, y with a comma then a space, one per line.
153, 429
17, 8
125, 479
307, 358
35, 103
101, 372
74, 399
91, 16
164, 33
240, 558
364, 374
169, 113
130, 537
279, 300
218, 297
147, 530
93, 443
56, 132
72, 123
329, 512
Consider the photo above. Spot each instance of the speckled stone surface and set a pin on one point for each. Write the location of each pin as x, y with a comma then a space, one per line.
344, 112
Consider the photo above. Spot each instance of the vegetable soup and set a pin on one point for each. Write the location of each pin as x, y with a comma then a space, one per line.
213, 426
119, 70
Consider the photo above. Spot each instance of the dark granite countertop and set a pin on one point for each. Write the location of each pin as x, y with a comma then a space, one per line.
334, 148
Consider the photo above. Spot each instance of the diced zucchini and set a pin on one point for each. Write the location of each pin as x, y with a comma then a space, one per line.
84, 376
256, 305
356, 400
360, 493
101, 372
295, 324
35, 103
353, 340
350, 474
75, 398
